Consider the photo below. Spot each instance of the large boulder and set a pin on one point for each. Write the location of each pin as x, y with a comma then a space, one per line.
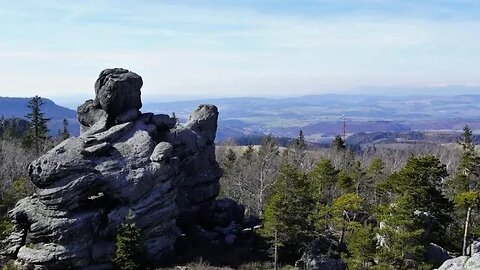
123, 162
436, 254
462, 263
117, 90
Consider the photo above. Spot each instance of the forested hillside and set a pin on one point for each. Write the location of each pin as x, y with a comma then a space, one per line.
380, 208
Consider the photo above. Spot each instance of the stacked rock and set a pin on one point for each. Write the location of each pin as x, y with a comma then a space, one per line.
123, 162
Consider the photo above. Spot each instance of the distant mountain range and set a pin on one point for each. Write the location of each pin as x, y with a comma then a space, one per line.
13, 107
323, 116
319, 116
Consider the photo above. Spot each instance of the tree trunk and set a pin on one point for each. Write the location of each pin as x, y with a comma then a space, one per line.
465, 233
276, 251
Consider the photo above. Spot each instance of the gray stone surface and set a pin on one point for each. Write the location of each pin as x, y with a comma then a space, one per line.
130, 115
473, 248
117, 90
164, 122
87, 185
462, 263
88, 115
161, 152
436, 254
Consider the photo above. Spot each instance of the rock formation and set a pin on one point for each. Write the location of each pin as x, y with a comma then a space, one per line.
471, 262
123, 162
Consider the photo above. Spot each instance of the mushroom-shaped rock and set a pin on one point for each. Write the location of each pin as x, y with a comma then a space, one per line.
117, 90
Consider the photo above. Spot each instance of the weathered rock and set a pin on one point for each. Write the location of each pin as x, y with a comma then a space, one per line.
122, 162
88, 115
117, 90
161, 152
473, 248
99, 149
128, 116
436, 254
164, 122
462, 263
204, 121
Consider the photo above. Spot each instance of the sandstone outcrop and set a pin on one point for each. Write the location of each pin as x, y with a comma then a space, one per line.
123, 162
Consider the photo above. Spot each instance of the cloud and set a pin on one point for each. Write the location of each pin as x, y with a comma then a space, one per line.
214, 49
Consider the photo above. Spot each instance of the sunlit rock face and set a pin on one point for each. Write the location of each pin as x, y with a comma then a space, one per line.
123, 162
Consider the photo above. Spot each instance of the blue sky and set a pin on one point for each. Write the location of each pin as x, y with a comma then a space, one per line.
219, 48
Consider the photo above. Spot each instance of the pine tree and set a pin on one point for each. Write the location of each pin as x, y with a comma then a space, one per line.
416, 202
361, 244
300, 142
375, 176
467, 176
286, 216
297, 150
418, 187
38, 131
64, 134
324, 178
228, 162
400, 238
464, 187
469, 201
128, 247
346, 209
248, 153
339, 144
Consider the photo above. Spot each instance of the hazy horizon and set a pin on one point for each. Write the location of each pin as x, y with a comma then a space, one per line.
212, 48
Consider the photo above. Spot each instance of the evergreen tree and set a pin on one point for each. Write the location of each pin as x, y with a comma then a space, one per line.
416, 203
339, 144
38, 131
286, 216
248, 153
468, 201
361, 245
400, 238
467, 175
128, 247
346, 209
375, 176
300, 142
228, 162
464, 188
418, 187
64, 134
268, 147
324, 178
297, 150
